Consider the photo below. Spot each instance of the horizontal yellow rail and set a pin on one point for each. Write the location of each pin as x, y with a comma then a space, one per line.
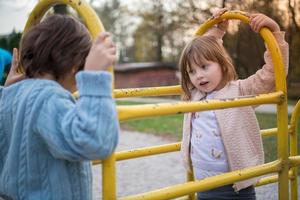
294, 161
166, 148
146, 151
151, 110
144, 92
273, 131
271, 179
208, 183
148, 91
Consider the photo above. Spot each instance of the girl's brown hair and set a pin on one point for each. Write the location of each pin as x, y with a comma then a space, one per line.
55, 46
200, 49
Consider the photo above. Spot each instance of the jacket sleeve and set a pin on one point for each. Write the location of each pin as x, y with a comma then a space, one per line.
263, 81
83, 130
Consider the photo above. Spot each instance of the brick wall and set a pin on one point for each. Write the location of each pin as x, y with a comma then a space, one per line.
135, 75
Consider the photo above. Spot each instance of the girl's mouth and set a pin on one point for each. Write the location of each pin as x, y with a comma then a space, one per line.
203, 83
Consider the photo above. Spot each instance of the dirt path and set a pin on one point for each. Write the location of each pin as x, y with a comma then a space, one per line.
153, 172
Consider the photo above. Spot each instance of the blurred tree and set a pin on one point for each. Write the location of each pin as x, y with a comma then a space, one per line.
165, 27
117, 20
60, 9
245, 46
294, 39
10, 41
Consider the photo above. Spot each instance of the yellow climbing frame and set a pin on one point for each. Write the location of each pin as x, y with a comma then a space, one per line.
284, 166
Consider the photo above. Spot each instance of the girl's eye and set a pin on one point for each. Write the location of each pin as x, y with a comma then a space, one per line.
191, 71
204, 66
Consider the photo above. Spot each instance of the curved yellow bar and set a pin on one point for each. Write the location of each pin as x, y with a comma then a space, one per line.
88, 15
266, 35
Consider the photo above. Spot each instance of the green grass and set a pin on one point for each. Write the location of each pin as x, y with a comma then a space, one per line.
293, 101
171, 126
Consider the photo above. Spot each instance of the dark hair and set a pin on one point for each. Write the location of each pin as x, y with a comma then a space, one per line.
55, 46
204, 48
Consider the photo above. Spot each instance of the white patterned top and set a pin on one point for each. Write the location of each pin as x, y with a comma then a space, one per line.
207, 149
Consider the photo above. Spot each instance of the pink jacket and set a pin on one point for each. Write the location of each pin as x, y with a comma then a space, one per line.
239, 127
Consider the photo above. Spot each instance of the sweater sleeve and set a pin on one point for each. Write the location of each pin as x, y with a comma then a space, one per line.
83, 130
263, 81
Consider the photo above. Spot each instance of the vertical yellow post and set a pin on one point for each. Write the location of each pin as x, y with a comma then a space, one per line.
282, 114
109, 178
283, 176
294, 150
190, 177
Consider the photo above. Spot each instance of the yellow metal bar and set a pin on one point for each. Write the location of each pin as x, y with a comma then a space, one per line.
166, 148
208, 183
109, 178
144, 92
150, 110
294, 161
294, 149
146, 151
272, 179
149, 91
267, 180
88, 15
190, 177
268, 132
272, 131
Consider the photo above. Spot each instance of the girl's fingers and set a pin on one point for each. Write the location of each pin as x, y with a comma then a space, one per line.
19, 77
14, 79
112, 50
260, 24
254, 15
108, 43
15, 60
101, 37
219, 12
253, 22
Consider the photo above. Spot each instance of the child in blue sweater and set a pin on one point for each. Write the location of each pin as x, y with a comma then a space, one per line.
47, 139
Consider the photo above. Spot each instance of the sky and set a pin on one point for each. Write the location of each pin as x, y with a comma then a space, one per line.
14, 14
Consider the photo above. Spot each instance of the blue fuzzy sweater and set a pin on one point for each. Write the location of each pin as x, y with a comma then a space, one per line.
47, 138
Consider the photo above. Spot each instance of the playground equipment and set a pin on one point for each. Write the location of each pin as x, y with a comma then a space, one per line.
285, 166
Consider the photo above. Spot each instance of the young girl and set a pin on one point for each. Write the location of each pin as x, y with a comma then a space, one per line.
215, 142
46, 137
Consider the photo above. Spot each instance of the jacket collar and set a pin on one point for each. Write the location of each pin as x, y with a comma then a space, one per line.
197, 95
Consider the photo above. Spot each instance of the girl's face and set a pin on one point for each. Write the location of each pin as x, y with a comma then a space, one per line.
206, 77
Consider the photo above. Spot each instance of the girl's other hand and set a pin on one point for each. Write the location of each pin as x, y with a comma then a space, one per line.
223, 25
13, 76
258, 21
102, 53
219, 30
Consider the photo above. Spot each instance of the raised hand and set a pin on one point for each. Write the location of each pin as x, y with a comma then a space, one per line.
13, 76
102, 54
258, 21
223, 25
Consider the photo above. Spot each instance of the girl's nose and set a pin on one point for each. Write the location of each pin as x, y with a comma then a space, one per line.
199, 74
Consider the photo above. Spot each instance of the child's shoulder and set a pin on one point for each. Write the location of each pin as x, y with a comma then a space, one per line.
34, 88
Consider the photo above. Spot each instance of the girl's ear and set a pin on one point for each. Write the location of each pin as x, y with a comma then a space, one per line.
74, 70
